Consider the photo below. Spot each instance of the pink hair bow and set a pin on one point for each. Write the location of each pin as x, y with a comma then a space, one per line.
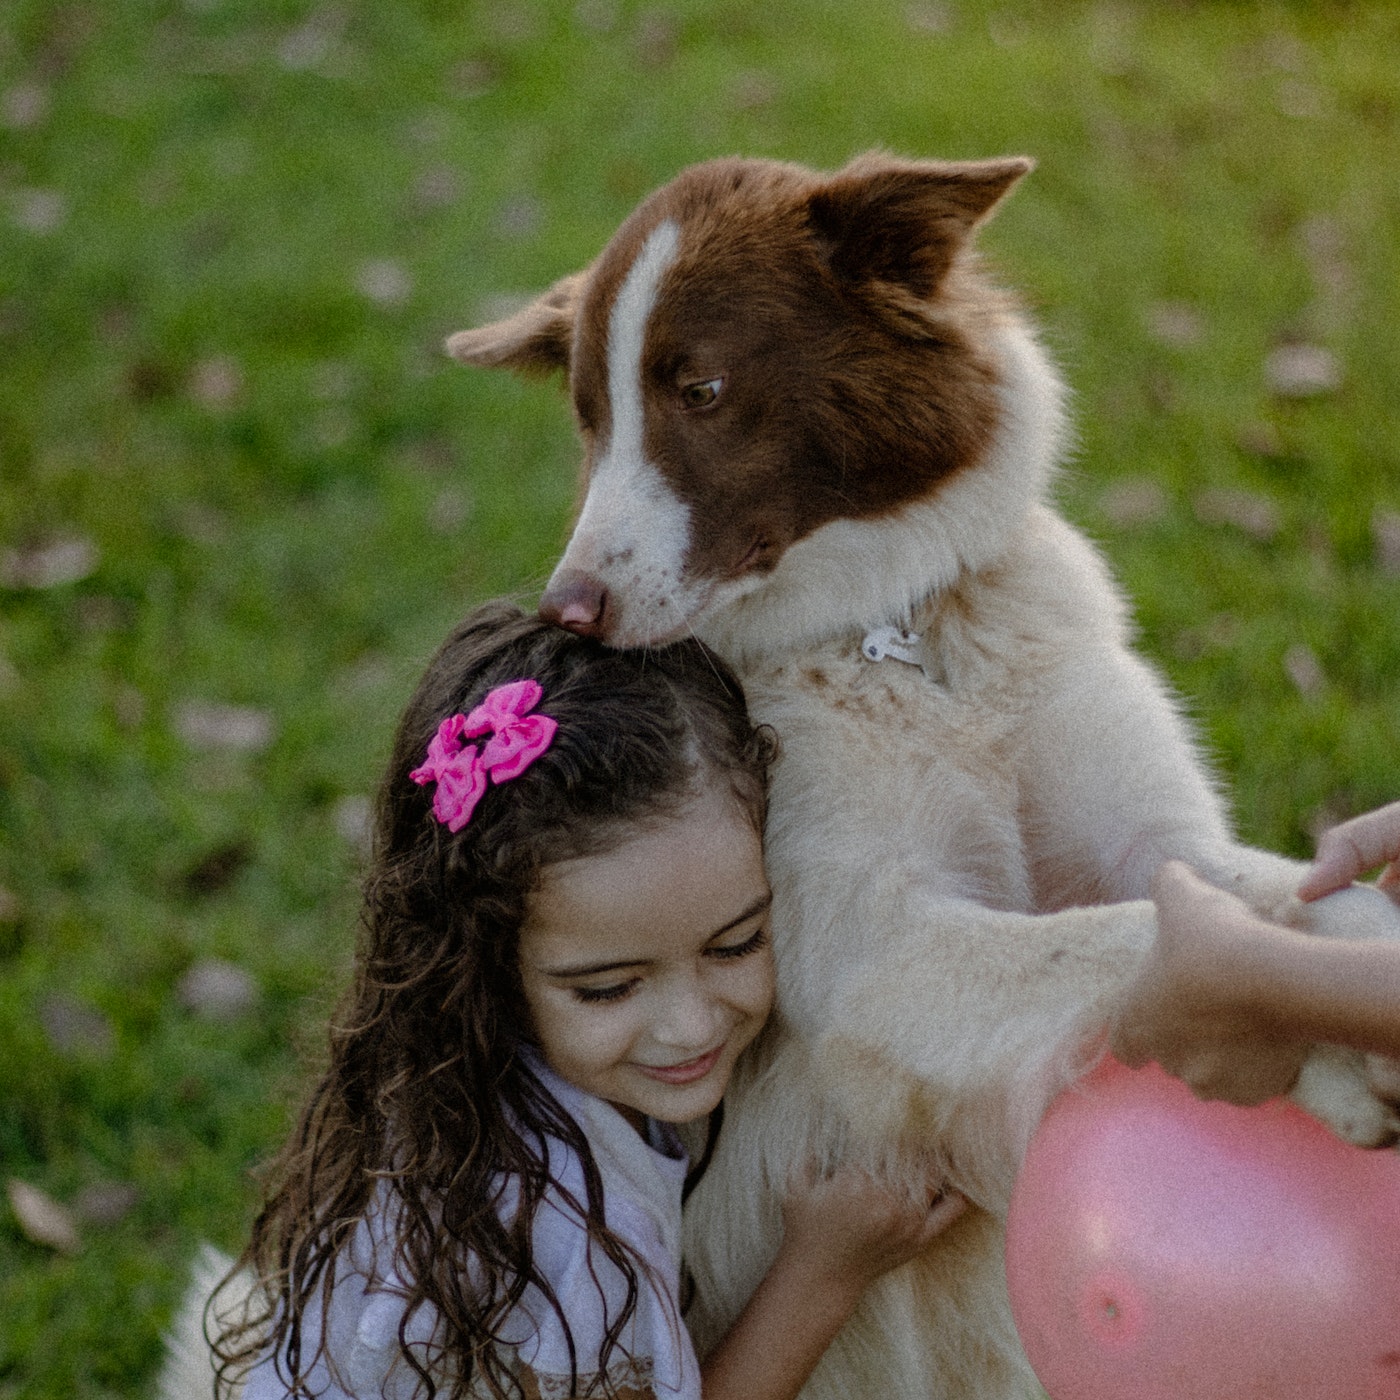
461, 770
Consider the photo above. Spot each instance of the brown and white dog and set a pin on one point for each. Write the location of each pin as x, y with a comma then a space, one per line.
818, 438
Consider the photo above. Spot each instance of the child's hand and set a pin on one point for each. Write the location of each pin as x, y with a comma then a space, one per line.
850, 1227
1348, 851
840, 1233
1193, 1007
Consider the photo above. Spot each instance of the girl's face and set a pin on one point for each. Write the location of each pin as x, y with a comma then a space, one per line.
647, 969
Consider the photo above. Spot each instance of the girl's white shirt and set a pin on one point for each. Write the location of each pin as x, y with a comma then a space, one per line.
642, 1182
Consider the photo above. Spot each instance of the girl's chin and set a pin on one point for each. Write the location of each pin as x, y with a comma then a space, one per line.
675, 1103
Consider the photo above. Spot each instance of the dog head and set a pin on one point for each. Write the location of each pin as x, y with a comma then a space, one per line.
758, 352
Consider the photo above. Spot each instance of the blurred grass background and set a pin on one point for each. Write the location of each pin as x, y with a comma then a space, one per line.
242, 494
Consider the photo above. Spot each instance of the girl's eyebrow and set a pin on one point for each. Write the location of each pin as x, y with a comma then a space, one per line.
759, 906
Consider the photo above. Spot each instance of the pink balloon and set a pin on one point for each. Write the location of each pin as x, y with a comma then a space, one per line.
1161, 1248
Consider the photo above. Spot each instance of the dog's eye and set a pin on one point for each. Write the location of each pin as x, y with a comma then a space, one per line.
701, 394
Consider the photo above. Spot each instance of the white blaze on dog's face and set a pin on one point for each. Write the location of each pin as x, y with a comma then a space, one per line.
634, 529
758, 352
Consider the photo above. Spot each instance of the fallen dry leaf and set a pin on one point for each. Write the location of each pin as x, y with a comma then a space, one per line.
41, 1219
1174, 323
1302, 667
928, 18
449, 510
437, 187
107, 1202
1137, 501
1260, 439
1256, 515
752, 90
38, 211
520, 217
312, 43
384, 281
74, 1027
24, 105
216, 382
48, 565
1302, 371
217, 990
206, 725
657, 39
354, 820
1385, 528
475, 76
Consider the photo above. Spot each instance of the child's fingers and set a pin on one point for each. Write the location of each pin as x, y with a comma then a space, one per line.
1390, 880
1353, 848
1185, 901
1333, 869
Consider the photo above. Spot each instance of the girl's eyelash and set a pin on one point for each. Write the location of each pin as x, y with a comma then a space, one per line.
741, 950
618, 990
613, 993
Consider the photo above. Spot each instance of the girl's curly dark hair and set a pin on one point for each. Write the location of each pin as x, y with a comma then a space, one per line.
426, 1086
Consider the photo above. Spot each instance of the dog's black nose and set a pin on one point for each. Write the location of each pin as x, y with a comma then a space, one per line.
575, 600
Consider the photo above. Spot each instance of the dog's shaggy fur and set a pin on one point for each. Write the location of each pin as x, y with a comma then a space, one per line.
806, 416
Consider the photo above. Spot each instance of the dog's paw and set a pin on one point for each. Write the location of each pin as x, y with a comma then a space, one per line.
1353, 1094
1359, 911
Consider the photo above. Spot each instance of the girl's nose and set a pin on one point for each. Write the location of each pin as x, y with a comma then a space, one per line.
689, 1020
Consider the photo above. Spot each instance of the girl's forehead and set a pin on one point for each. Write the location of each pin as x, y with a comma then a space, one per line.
660, 888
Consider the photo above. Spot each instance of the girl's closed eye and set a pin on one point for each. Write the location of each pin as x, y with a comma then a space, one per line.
756, 940
618, 991
614, 992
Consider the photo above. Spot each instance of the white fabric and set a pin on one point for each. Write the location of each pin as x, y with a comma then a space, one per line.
642, 1205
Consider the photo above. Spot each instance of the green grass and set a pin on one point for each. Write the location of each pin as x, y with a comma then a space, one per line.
292, 494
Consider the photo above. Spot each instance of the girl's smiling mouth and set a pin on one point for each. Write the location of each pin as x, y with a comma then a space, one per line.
688, 1071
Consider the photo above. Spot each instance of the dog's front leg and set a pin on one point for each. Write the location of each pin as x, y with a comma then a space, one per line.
1112, 785
1012, 1008
965, 1022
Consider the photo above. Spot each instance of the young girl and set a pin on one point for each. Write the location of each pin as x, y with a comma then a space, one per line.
565, 949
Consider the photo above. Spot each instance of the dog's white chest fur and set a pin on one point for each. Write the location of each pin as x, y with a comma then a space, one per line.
879, 758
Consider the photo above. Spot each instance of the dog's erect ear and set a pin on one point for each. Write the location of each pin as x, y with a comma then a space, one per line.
902, 222
535, 340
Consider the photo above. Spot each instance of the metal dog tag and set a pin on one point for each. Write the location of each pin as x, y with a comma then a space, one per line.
896, 644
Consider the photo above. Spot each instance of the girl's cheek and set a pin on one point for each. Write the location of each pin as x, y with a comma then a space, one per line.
609, 1023
761, 983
